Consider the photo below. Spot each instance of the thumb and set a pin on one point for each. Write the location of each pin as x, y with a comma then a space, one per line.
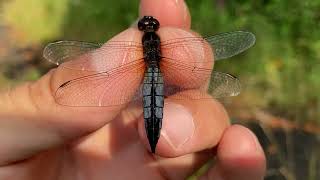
32, 121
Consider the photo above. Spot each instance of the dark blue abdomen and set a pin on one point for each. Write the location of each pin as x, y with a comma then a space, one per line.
153, 101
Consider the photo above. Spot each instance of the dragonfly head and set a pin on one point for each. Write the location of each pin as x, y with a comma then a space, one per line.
148, 24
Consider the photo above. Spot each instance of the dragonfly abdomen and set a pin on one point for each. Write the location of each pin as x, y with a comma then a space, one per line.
153, 101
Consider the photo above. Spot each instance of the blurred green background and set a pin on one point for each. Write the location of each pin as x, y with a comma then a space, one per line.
280, 74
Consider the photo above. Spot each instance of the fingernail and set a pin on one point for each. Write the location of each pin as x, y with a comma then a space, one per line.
178, 125
178, 2
183, 8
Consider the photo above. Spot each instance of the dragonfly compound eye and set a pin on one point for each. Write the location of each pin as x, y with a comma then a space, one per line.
141, 25
155, 24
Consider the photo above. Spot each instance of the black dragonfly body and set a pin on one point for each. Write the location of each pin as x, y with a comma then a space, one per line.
153, 90
164, 74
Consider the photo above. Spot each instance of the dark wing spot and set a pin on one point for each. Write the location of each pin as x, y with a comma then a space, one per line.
64, 84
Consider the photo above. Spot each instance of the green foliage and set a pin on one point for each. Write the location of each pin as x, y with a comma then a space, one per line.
35, 20
98, 20
284, 64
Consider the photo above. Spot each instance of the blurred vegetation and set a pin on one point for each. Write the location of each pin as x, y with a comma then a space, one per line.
282, 70
35, 20
280, 73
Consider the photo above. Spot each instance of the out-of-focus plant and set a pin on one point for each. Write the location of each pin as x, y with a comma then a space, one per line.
283, 67
33, 21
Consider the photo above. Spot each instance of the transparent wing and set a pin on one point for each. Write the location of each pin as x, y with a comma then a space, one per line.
96, 57
187, 65
62, 51
123, 85
183, 65
223, 45
195, 82
224, 85
229, 44
116, 87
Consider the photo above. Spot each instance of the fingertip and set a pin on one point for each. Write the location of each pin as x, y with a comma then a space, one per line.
240, 156
239, 142
168, 12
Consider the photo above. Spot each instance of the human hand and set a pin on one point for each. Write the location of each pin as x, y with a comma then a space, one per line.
43, 140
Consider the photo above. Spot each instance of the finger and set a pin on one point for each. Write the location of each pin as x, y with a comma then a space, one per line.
31, 121
168, 12
239, 156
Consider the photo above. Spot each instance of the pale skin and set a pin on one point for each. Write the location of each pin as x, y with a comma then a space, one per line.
43, 140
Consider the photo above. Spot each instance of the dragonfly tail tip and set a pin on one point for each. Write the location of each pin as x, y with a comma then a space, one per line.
153, 148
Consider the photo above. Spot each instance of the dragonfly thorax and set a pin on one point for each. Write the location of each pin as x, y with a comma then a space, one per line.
150, 40
151, 48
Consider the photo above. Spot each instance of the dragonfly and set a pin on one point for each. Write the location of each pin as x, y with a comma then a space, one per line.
156, 70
